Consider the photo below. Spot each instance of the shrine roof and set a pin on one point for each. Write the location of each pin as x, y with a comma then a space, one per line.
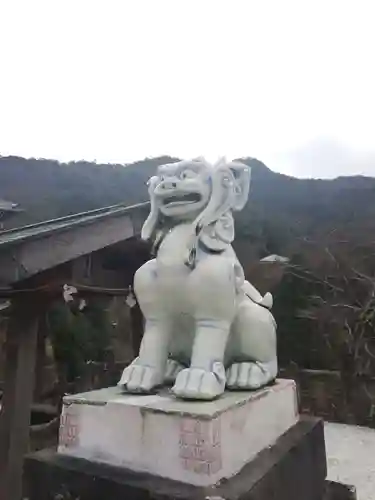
29, 250
19, 234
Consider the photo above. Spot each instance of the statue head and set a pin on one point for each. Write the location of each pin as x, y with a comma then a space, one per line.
199, 192
183, 189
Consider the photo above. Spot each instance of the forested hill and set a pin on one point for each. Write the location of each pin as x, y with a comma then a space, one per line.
48, 189
279, 206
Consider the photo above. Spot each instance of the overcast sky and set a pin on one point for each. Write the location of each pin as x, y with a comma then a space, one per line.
289, 82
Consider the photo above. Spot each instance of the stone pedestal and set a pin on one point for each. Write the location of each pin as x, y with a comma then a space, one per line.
244, 446
198, 443
294, 468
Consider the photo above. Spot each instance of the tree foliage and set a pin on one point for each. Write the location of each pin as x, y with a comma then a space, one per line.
78, 337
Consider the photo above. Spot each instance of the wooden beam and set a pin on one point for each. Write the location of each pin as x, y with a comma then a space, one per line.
20, 262
20, 351
55, 290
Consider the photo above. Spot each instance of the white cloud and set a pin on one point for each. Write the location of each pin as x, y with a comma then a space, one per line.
121, 80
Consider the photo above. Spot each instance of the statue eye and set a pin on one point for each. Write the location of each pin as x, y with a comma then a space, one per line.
187, 174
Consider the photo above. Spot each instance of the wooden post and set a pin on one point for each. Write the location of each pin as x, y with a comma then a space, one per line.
41, 357
20, 352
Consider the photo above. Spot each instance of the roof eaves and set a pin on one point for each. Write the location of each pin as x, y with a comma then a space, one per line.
18, 235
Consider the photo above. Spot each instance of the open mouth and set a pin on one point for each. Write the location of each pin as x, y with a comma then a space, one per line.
182, 199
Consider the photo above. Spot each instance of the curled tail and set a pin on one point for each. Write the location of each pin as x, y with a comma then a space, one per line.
267, 301
253, 294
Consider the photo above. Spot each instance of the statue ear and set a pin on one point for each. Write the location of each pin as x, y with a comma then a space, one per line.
152, 220
241, 174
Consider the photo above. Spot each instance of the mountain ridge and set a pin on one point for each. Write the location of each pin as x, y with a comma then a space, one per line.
278, 204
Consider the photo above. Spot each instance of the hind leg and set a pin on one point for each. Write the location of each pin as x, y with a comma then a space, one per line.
253, 358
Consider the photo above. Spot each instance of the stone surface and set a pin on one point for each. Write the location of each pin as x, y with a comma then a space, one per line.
199, 442
293, 469
206, 327
350, 457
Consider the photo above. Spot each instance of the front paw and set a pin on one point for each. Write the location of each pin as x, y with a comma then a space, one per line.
196, 383
138, 378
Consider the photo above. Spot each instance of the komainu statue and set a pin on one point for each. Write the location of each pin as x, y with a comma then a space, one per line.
206, 327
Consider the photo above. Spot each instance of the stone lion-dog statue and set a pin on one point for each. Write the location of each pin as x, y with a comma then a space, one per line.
206, 327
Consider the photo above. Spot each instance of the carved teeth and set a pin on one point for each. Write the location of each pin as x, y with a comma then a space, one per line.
182, 199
